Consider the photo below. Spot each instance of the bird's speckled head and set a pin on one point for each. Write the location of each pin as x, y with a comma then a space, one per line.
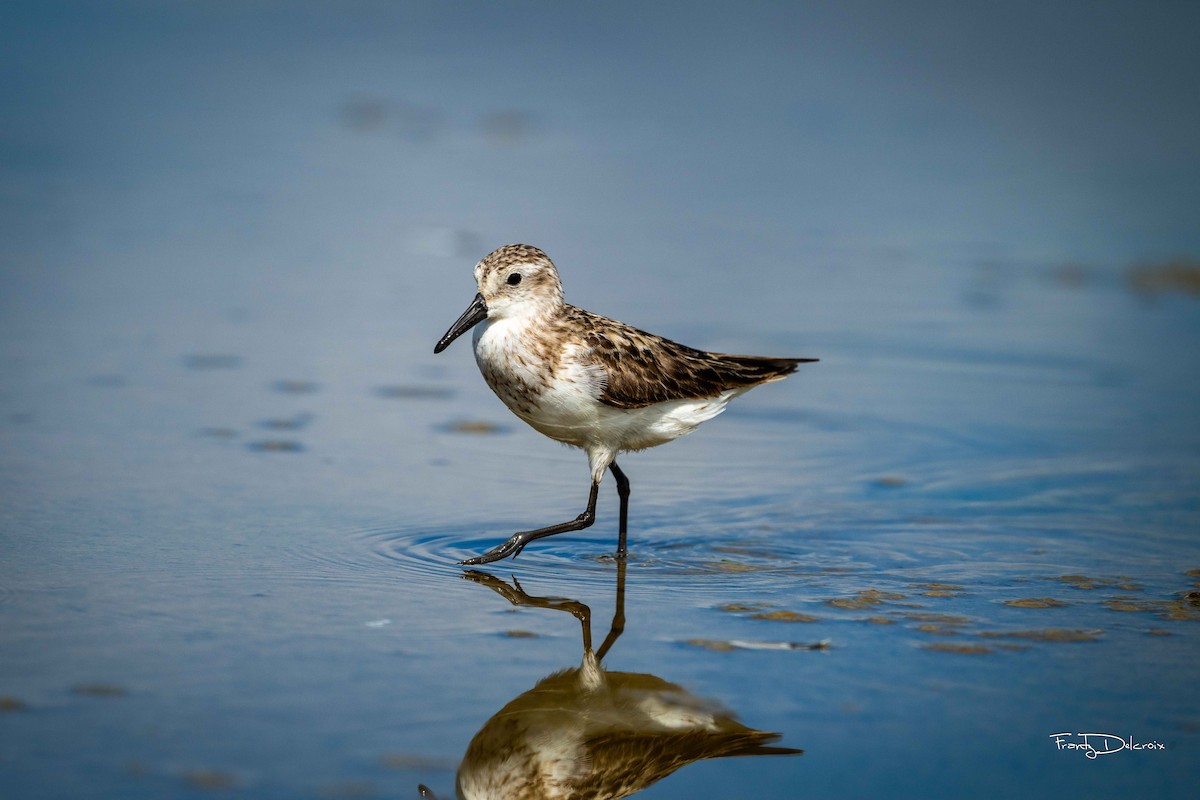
518, 280
515, 282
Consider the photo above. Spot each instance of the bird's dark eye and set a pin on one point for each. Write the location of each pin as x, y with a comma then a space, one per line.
514, 279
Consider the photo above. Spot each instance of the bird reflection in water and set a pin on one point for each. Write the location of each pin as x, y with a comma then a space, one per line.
585, 732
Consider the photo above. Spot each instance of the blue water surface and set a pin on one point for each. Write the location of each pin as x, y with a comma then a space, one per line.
235, 481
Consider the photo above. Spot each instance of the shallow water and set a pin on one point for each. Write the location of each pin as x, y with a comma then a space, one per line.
235, 481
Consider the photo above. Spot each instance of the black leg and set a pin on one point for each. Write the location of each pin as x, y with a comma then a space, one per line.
618, 621
516, 543
623, 493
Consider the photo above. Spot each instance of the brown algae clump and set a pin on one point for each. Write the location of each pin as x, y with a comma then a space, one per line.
938, 629
938, 589
867, 598
1083, 581
784, 616
1180, 276
209, 779
737, 607
98, 690
1185, 607
725, 565
1036, 602
958, 647
12, 704
1048, 635
277, 446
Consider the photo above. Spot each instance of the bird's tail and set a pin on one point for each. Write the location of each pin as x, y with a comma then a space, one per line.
757, 743
763, 369
743, 741
763, 750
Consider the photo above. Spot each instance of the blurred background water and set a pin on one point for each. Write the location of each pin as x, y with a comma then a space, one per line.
234, 479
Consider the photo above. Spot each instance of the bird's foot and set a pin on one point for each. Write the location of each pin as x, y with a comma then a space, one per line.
515, 544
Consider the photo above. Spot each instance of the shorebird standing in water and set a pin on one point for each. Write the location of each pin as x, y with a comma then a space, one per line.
589, 381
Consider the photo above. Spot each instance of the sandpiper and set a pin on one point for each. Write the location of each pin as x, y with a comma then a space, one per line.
589, 381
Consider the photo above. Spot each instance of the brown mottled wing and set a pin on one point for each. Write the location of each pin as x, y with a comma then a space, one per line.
643, 369
623, 762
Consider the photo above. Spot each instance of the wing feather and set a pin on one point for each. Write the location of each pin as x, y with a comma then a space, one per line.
643, 369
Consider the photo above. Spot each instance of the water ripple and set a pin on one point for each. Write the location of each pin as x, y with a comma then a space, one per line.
659, 562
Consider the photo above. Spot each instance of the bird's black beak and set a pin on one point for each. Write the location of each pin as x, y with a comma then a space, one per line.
476, 313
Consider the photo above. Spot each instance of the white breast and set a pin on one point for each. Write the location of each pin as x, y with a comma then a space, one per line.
541, 380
